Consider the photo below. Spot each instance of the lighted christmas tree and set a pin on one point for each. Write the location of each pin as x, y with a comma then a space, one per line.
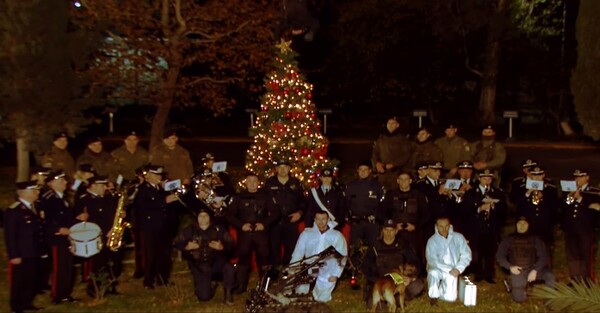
287, 126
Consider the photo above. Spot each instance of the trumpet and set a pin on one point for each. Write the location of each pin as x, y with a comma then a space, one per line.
536, 197
571, 196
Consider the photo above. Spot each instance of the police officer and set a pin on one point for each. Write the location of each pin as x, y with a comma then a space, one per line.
464, 173
363, 197
329, 196
24, 235
454, 149
484, 209
578, 222
517, 187
539, 206
207, 249
438, 197
524, 254
152, 200
129, 157
99, 207
388, 253
60, 216
291, 204
58, 157
408, 208
251, 212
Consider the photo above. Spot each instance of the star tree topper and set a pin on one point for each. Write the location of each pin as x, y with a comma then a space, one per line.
284, 46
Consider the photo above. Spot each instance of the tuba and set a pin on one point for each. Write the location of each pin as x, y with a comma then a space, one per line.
115, 236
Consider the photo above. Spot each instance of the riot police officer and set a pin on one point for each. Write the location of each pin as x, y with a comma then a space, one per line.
251, 212
207, 249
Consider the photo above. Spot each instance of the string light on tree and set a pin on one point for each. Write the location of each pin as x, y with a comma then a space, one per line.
287, 126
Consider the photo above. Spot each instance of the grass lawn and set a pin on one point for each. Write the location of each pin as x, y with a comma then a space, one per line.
180, 298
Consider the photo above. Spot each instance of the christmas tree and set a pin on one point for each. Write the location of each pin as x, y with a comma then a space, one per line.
287, 126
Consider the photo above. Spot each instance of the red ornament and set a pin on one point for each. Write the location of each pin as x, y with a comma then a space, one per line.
304, 152
261, 163
288, 115
313, 115
298, 90
309, 95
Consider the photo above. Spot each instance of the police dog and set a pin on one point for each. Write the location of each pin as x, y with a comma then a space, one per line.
393, 283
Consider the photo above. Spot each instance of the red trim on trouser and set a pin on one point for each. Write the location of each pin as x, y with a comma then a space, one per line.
87, 267
10, 265
54, 271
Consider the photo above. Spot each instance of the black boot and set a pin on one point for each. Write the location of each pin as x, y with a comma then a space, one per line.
228, 296
241, 277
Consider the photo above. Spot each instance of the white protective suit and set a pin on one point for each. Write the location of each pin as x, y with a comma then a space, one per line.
311, 242
444, 254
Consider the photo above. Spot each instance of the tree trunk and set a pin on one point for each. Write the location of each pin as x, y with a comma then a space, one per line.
487, 100
166, 102
22, 158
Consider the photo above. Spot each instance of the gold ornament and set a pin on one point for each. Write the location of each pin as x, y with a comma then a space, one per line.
284, 46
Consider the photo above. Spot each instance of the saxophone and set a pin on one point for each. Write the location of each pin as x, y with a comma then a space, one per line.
115, 236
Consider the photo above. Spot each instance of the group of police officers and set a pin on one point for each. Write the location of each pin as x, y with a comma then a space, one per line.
390, 213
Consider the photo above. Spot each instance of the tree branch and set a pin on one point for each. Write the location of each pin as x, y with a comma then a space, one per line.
212, 80
212, 38
182, 25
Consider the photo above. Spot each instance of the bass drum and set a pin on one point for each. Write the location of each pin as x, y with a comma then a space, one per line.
86, 239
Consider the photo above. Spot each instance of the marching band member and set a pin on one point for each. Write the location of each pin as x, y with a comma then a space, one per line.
24, 235
60, 216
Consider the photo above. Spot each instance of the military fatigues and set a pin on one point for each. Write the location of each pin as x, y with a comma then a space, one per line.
528, 252
392, 148
59, 214
58, 159
407, 207
24, 233
363, 199
102, 162
126, 162
578, 222
426, 151
153, 226
101, 210
289, 198
383, 258
454, 150
252, 208
492, 153
541, 216
206, 263
483, 232
177, 162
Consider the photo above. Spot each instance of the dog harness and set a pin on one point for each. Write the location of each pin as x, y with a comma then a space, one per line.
398, 279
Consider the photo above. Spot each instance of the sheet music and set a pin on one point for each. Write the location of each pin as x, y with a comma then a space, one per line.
534, 184
568, 185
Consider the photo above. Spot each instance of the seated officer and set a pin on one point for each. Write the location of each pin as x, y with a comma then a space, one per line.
207, 249
388, 253
524, 254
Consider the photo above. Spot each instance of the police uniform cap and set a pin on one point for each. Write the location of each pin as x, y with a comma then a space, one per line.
486, 173
327, 172
282, 162
132, 133
60, 135
522, 218
366, 163
40, 170
465, 164
422, 165
88, 168
537, 171
155, 169
54, 175
389, 223
94, 139
435, 165
27, 185
580, 173
529, 163
98, 180
142, 170
488, 127
208, 156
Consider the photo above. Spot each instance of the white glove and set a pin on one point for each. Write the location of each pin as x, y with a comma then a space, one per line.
532, 275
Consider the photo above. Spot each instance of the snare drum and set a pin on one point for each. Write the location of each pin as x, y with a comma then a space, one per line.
86, 239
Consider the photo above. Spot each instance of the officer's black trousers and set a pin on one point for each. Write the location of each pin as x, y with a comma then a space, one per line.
62, 272
22, 283
204, 273
283, 233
